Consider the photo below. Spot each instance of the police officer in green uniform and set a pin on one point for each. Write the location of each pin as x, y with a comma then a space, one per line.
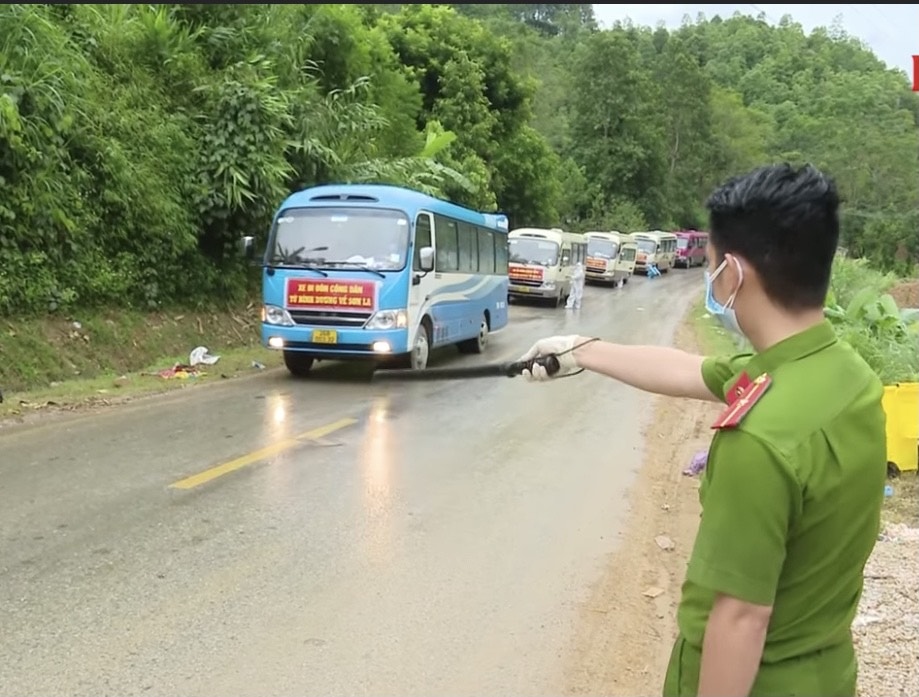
792, 491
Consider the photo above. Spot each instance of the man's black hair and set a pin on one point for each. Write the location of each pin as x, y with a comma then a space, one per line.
785, 223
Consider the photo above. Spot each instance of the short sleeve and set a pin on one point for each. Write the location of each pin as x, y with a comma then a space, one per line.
751, 499
717, 370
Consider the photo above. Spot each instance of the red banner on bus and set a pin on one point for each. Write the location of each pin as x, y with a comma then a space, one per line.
344, 294
524, 273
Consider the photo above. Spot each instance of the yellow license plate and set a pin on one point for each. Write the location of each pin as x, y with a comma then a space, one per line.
325, 336
521, 289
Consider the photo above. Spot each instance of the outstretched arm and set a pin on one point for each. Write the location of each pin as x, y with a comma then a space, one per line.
659, 369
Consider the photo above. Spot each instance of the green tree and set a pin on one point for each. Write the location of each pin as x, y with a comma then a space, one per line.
617, 128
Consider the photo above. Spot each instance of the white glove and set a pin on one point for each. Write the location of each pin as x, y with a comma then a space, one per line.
559, 345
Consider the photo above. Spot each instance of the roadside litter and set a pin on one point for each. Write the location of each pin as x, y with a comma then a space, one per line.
899, 532
200, 355
179, 371
198, 360
697, 464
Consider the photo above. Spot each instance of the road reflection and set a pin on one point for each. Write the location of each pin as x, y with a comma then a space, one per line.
277, 427
376, 461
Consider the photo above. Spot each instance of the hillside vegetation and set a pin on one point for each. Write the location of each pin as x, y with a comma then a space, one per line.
138, 142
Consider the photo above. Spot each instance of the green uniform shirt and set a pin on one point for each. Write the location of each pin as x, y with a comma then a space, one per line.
791, 502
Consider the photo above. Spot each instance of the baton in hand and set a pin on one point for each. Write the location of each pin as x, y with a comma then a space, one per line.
489, 370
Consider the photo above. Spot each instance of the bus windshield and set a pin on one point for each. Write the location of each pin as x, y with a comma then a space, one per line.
682, 243
528, 250
605, 249
646, 246
375, 238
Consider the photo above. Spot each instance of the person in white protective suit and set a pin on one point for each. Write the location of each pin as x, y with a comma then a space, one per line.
578, 278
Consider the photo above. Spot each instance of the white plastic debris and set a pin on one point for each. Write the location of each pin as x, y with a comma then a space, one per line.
200, 355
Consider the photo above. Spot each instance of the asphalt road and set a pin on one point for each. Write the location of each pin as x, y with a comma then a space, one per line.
271, 536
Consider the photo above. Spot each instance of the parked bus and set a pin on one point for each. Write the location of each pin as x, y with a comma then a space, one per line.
541, 262
656, 247
610, 257
380, 273
690, 247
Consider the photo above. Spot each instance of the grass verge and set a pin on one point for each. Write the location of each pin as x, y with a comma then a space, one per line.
66, 362
713, 339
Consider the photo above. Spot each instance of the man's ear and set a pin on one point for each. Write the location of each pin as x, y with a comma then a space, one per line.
731, 272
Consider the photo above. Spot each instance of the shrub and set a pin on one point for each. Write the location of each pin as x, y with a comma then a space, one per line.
868, 318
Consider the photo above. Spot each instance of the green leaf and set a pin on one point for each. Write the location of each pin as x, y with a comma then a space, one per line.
860, 301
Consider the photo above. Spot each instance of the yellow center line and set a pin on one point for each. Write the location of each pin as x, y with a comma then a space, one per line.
259, 455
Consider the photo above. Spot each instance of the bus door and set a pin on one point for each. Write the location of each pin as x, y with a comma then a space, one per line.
625, 265
565, 266
421, 283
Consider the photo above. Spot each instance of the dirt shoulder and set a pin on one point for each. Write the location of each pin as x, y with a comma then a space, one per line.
906, 294
628, 624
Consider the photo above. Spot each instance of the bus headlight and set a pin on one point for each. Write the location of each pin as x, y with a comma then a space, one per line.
388, 319
549, 285
272, 314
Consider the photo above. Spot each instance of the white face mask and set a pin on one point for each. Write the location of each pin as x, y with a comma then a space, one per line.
725, 313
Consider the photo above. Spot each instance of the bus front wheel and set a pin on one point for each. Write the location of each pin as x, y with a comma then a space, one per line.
298, 363
418, 358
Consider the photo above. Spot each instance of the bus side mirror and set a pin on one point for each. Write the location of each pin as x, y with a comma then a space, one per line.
247, 247
426, 259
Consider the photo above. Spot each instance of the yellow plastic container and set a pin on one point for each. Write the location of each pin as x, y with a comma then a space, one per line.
901, 404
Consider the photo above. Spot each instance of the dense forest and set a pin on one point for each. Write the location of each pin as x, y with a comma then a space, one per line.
138, 142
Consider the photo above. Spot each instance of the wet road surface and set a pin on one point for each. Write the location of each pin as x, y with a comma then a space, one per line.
272, 536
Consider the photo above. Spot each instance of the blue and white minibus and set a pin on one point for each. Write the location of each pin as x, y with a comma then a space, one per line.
374, 272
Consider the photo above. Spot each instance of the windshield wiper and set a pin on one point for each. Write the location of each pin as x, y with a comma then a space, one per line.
294, 260
355, 265
296, 264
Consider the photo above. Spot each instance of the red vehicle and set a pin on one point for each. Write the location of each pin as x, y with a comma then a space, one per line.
690, 248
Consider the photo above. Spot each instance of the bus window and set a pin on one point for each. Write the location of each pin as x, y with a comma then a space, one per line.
447, 244
486, 251
468, 248
422, 238
566, 256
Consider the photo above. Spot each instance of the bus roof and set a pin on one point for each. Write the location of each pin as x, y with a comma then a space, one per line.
620, 238
654, 234
546, 233
691, 233
610, 233
408, 200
